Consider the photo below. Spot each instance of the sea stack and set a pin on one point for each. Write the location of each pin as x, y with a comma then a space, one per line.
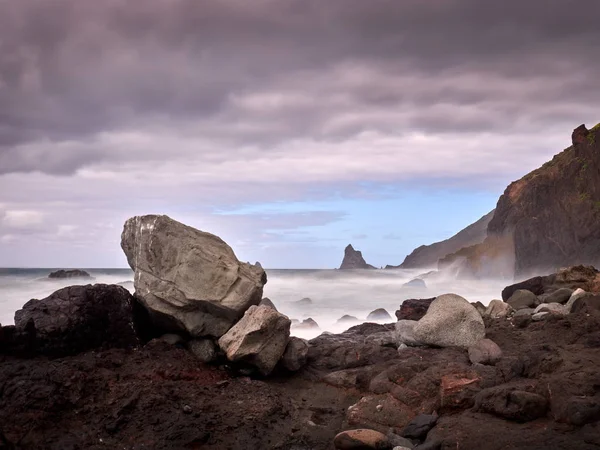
353, 259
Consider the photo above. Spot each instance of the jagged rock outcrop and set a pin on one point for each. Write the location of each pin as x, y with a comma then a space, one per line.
189, 280
428, 255
353, 259
546, 220
72, 273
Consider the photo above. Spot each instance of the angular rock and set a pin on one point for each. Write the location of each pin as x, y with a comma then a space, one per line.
78, 318
353, 259
295, 354
379, 314
497, 309
306, 324
405, 332
258, 339
204, 349
486, 352
74, 273
189, 280
420, 426
522, 299
361, 439
267, 302
555, 308
450, 321
413, 309
511, 404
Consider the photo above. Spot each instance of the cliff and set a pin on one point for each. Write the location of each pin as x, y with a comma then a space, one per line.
428, 255
546, 220
353, 259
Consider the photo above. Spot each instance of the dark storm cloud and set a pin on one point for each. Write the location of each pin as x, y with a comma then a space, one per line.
73, 69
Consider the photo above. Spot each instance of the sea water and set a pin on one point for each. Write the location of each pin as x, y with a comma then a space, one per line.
331, 293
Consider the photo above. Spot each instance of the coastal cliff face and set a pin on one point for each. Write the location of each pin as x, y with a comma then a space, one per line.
546, 220
428, 255
353, 259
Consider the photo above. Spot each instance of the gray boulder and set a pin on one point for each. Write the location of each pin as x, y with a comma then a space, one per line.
204, 349
188, 280
522, 299
497, 309
405, 332
450, 321
486, 352
561, 295
295, 354
258, 339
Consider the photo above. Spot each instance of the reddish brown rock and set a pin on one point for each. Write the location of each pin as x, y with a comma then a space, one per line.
413, 309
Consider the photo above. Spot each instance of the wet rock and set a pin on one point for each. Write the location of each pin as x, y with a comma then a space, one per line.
258, 339
522, 299
420, 426
405, 332
295, 354
486, 352
361, 439
511, 404
204, 349
497, 309
379, 315
188, 280
78, 318
413, 309
267, 302
74, 273
450, 321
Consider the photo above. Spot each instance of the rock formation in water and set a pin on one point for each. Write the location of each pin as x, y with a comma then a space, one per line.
73, 273
546, 220
428, 255
353, 259
189, 280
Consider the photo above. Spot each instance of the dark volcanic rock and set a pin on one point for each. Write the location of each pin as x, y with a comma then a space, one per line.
295, 355
353, 259
586, 304
78, 318
428, 255
420, 426
74, 273
522, 299
512, 404
379, 314
413, 309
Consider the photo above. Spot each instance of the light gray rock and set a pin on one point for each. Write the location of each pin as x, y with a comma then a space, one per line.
555, 308
522, 298
295, 354
539, 316
188, 280
524, 312
497, 309
258, 339
480, 307
204, 349
579, 293
450, 321
405, 332
486, 352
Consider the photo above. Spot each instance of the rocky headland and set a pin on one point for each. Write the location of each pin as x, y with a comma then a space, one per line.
196, 360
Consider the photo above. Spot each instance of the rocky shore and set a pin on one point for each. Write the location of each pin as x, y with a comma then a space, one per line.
92, 367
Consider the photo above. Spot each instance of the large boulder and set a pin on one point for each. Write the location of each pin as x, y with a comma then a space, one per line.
259, 339
450, 321
189, 280
78, 318
405, 332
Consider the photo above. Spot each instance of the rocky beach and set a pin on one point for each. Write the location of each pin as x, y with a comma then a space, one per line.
196, 359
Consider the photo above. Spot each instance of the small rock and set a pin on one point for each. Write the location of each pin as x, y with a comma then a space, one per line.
539, 316
486, 352
524, 312
296, 352
522, 299
574, 296
479, 307
379, 314
204, 349
420, 426
172, 339
555, 308
361, 439
399, 441
497, 309
187, 409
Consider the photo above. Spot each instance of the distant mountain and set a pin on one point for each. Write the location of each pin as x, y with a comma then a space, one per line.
353, 259
428, 255
548, 219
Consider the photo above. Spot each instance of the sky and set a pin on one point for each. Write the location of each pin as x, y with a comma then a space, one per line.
290, 128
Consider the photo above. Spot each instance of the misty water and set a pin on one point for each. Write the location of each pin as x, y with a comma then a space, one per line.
332, 293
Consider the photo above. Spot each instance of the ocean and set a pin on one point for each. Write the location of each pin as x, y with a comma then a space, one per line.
332, 293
